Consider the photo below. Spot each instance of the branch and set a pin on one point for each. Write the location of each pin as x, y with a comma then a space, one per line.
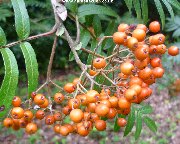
32, 37
51, 59
78, 31
91, 52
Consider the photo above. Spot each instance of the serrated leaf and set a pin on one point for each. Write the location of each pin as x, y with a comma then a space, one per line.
147, 109
3, 40
175, 3
144, 6
60, 31
129, 4
137, 7
90, 9
9, 84
31, 66
130, 122
21, 19
79, 46
160, 11
150, 124
97, 25
169, 8
138, 125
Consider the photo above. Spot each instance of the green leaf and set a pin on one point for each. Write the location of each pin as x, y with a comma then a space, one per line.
169, 8
129, 4
71, 56
144, 6
137, 7
146, 109
3, 40
99, 79
104, 118
108, 43
31, 66
175, 3
138, 125
72, 6
130, 122
85, 38
5, 13
97, 25
21, 19
93, 45
160, 11
9, 84
150, 124
90, 9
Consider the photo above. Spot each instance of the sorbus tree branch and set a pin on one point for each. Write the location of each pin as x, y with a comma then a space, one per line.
51, 32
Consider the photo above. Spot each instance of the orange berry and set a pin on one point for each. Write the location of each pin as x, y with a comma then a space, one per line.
123, 103
102, 109
45, 104
158, 72
99, 63
40, 114
92, 96
39, 99
76, 115
173, 50
69, 87
92, 72
154, 26
100, 125
126, 68
31, 128
123, 27
17, 112
139, 34
8, 122
119, 37
16, 102
141, 26
132, 43
121, 122
58, 98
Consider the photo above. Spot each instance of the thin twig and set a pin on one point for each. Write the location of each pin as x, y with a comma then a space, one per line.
91, 52
51, 59
56, 85
31, 38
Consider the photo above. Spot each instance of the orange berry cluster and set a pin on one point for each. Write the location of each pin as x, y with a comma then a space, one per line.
86, 109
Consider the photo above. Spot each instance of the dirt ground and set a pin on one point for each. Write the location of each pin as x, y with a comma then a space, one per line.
166, 114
